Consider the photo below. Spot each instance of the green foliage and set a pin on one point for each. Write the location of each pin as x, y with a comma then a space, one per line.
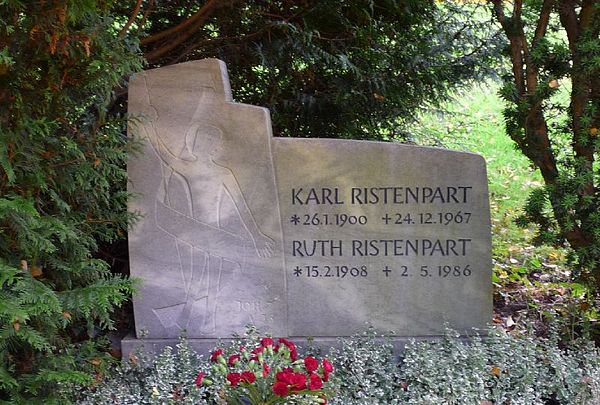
498, 368
554, 48
166, 379
172, 377
366, 370
61, 180
353, 69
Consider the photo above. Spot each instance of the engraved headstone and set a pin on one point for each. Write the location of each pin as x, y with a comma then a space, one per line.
300, 237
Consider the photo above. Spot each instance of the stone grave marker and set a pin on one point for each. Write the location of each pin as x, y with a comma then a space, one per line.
300, 237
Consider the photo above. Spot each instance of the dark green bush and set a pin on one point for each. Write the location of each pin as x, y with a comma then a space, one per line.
62, 178
327, 68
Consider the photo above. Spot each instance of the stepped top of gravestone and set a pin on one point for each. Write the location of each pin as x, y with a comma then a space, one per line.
206, 75
300, 237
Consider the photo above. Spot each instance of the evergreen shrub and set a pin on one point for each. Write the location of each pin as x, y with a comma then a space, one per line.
62, 182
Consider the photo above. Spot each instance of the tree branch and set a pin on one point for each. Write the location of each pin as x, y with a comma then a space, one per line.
586, 14
542, 24
516, 56
155, 54
238, 38
518, 10
531, 76
568, 19
132, 18
147, 12
200, 15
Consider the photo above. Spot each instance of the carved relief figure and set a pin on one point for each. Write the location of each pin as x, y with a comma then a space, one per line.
198, 229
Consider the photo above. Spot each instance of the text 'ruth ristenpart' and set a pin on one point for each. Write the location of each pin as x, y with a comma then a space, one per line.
381, 247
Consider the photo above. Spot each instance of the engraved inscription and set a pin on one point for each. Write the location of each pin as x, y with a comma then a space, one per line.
255, 310
301, 237
457, 194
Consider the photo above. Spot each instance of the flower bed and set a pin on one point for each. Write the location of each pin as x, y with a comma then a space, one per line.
269, 373
252, 370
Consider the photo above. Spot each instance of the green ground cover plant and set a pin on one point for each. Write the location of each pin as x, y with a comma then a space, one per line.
501, 368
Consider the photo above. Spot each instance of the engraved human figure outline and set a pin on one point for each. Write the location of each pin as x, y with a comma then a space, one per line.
195, 165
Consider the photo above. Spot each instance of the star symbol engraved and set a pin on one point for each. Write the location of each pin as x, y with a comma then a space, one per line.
297, 271
295, 219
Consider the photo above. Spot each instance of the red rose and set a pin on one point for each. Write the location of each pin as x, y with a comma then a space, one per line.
315, 382
280, 388
285, 376
199, 379
311, 364
234, 378
267, 341
266, 370
256, 352
298, 382
327, 369
290, 345
216, 354
292, 381
293, 355
233, 359
248, 377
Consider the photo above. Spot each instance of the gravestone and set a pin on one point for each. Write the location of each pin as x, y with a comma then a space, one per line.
300, 237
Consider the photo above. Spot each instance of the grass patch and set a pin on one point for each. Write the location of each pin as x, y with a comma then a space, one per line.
473, 122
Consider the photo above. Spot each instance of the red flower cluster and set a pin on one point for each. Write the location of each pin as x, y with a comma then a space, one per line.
199, 379
256, 352
327, 369
233, 359
311, 364
268, 358
245, 377
291, 347
215, 356
288, 381
266, 342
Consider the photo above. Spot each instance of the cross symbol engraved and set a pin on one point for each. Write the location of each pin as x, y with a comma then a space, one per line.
297, 271
386, 219
387, 271
295, 219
